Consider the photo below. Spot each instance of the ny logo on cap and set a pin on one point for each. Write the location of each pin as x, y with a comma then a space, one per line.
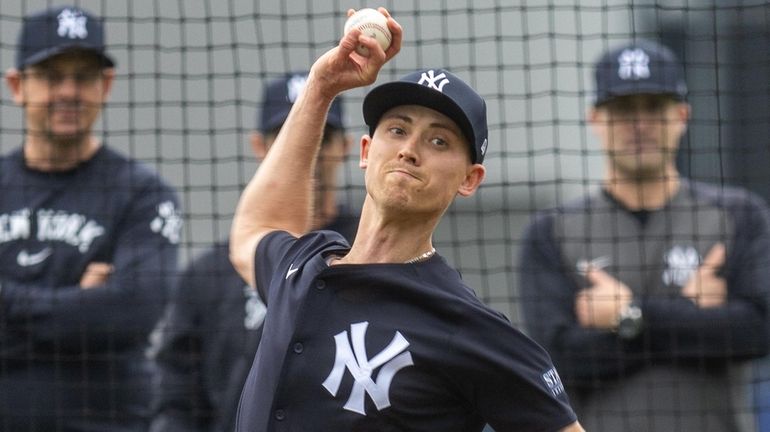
294, 87
634, 64
429, 79
484, 147
72, 24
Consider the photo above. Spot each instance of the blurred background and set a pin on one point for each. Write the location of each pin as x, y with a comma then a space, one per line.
190, 76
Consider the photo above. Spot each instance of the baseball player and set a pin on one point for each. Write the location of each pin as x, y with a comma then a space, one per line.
213, 323
382, 334
88, 243
650, 291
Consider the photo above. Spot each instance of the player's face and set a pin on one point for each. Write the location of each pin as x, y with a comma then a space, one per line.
641, 133
62, 96
418, 161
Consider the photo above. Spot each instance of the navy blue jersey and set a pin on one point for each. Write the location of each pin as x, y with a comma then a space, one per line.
387, 347
67, 352
208, 340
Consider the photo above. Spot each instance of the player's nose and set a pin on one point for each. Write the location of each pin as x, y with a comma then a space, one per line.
409, 151
66, 88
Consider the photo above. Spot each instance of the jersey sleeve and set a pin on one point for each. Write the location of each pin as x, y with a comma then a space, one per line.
270, 251
548, 302
123, 310
512, 380
279, 254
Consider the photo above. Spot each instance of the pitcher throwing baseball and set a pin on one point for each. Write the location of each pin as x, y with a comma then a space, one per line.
382, 335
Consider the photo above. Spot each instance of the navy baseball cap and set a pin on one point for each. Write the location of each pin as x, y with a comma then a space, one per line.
280, 95
58, 30
642, 67
440, 90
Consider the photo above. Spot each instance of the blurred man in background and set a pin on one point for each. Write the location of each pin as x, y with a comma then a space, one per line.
88, 243
651, 291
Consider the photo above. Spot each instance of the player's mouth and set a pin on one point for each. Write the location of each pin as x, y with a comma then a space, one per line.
65, 108
403, 173
641, 144
66, 115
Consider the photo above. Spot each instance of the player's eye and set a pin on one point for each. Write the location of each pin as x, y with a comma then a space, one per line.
395, 130
622, 108
54, 77
440, 142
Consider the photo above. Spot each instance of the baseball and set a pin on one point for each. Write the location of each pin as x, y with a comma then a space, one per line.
371, 23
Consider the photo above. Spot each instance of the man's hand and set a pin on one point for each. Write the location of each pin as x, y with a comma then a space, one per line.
96, 274
599, 305
574, 427
705, 287
342, 68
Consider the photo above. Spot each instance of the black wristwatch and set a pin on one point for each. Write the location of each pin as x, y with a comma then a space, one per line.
630, 321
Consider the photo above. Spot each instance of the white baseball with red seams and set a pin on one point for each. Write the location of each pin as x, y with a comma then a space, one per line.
373, 24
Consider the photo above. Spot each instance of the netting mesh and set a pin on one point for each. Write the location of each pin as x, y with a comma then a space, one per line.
190, 75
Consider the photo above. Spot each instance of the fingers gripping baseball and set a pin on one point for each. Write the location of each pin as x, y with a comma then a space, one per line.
373, 24
345, 68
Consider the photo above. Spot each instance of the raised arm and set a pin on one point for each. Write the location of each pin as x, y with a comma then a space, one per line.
279, 196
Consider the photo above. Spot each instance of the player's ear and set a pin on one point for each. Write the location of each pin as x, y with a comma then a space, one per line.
473, 178
108, 77
366, 142
592, 114
13, 82
684, 110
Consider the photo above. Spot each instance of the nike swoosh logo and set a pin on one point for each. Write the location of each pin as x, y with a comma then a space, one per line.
597, 263
291, 271
25, 259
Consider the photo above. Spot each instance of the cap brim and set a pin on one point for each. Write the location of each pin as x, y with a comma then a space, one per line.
638, 89
397, 93
45, 54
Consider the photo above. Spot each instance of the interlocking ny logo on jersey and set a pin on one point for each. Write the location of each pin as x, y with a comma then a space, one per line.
681, 263
72, 24
429, 79
390, 360
634, 64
